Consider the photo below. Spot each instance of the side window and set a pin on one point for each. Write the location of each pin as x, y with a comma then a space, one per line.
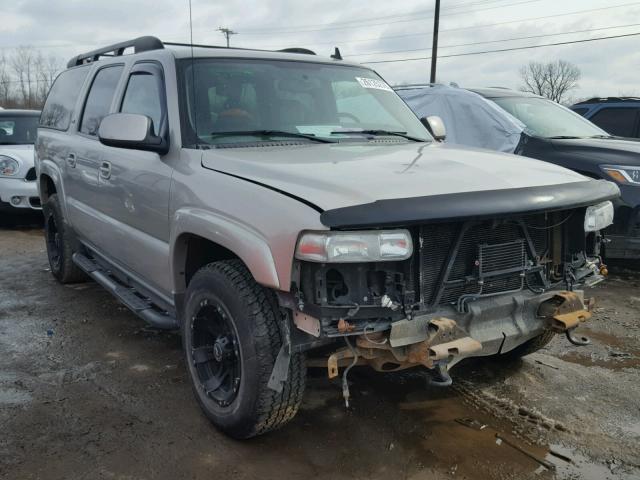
580, 110
62, 97
99, 99
144, 96
617, 121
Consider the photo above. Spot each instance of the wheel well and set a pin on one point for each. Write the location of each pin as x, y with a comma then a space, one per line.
201, 252
47, 187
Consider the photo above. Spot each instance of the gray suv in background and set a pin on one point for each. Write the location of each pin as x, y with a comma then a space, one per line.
275, 205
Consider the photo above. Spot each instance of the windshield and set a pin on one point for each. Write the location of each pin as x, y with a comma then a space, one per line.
296, 99
544, 118
18, 130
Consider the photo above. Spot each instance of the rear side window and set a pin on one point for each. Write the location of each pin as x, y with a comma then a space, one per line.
99, 99
580, 110
143, 96
62, 97
617, 121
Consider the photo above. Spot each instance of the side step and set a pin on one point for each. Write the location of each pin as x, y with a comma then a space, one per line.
126, 295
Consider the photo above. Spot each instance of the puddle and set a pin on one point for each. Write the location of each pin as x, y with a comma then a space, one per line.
612, 352
430, 429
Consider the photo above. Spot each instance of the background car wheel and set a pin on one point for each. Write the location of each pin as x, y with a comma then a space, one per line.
231, 336
530, 346
60, 243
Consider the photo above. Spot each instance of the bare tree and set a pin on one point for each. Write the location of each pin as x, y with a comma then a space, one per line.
5, 81
552, 80
26, 75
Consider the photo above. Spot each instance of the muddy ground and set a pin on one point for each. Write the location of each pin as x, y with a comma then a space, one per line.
86, 391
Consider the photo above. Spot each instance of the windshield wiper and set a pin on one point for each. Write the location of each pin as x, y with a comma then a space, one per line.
272, 133
381, 132
564, 137
602, 136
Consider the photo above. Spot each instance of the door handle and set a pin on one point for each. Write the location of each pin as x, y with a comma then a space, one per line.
72, 160
105, 170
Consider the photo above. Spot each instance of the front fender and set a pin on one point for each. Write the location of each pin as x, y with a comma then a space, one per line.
245, 242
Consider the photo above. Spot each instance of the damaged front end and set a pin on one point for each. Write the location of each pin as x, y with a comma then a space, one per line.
471, 287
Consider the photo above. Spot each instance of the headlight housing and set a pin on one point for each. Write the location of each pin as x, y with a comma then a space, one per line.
623, 175
8, 166
598, 217
351, 247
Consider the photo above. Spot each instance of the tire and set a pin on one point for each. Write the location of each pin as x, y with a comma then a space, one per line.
233, 325
61, 243
530, 346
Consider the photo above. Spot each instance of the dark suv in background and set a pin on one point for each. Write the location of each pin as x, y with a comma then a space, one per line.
533, 126
619, 116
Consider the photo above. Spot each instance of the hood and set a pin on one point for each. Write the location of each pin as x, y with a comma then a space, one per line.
601, 151
339, 175
22, 153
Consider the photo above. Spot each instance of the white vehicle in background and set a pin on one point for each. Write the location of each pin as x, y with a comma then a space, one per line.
18, 186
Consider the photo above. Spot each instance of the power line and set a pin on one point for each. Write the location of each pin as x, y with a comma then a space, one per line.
507, 49
470, 27
414, 19
495, 41
414, 15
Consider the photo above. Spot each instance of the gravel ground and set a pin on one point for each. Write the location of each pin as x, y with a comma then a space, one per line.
86, 391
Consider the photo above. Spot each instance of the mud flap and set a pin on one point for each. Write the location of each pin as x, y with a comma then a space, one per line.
280, 372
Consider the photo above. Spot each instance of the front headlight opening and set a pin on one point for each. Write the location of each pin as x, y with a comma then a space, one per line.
351, 247
8, 166
623, 175
598, 217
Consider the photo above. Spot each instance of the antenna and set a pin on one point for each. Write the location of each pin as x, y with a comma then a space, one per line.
336, 54
227, 32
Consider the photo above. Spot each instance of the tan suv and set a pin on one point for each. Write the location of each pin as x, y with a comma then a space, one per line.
273, 205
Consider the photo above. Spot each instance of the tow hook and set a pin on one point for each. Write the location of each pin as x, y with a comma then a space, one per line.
580, 341
565, 312
441, 377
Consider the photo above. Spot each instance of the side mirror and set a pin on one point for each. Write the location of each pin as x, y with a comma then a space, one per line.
436, 127
130, 130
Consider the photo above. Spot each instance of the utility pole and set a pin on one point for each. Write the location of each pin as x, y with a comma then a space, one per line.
227, 32
434, 48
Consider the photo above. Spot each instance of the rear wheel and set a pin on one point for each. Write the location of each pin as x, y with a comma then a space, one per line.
231, 338
61, 243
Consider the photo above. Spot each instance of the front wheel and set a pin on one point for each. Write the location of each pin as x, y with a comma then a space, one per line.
231, 337
530, 346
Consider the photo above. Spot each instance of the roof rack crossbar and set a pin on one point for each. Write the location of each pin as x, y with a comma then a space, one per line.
140, 44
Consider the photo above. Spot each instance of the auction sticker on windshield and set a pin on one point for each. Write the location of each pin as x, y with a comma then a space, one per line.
373, 83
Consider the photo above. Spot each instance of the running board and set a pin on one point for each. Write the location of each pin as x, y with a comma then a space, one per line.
126, 295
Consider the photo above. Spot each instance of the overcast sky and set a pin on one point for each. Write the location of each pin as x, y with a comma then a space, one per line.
609, 67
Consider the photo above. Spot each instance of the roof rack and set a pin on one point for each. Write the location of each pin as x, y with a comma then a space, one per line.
140, 44
609, 99
305, 51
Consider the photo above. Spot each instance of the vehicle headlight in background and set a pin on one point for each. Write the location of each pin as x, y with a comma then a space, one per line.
622, 174
8, 166
349, 247
598, 217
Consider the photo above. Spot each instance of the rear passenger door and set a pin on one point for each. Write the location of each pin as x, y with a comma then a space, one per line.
84, 201
134, 186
